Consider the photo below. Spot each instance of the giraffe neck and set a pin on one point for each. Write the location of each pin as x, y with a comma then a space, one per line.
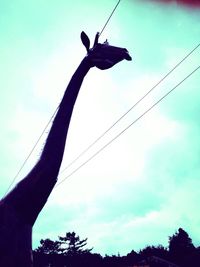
20, 207
31, 194
55, 143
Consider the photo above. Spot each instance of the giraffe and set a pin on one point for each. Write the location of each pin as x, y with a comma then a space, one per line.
20, 208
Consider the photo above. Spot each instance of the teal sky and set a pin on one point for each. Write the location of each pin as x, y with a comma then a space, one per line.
145, 185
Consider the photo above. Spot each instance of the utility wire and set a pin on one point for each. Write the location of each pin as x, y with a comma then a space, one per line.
25, 161
109, 17
120, 118
137, 119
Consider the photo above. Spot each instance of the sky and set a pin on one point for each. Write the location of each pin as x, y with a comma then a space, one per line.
145, 185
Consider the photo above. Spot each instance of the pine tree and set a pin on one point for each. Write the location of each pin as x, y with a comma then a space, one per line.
48, 246
72, 245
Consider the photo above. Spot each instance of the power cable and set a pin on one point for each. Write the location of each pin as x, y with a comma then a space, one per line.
118, 135
123, 115
109, 17
26, 159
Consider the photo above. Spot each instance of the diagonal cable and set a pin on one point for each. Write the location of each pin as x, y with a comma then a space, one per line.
26, 159
109, 18
137, 119
120, 118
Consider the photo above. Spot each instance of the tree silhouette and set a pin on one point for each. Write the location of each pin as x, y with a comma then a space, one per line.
131, 258
69, 250
48, 246
158, 251
71, 244
180, 247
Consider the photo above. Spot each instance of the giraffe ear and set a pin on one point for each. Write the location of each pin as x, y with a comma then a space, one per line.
85, 40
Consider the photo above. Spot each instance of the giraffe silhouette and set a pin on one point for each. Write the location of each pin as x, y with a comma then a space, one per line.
19, 209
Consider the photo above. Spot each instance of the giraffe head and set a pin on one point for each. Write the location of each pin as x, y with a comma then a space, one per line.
103, 56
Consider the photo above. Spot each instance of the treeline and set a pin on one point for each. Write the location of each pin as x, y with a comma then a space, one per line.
71, 251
